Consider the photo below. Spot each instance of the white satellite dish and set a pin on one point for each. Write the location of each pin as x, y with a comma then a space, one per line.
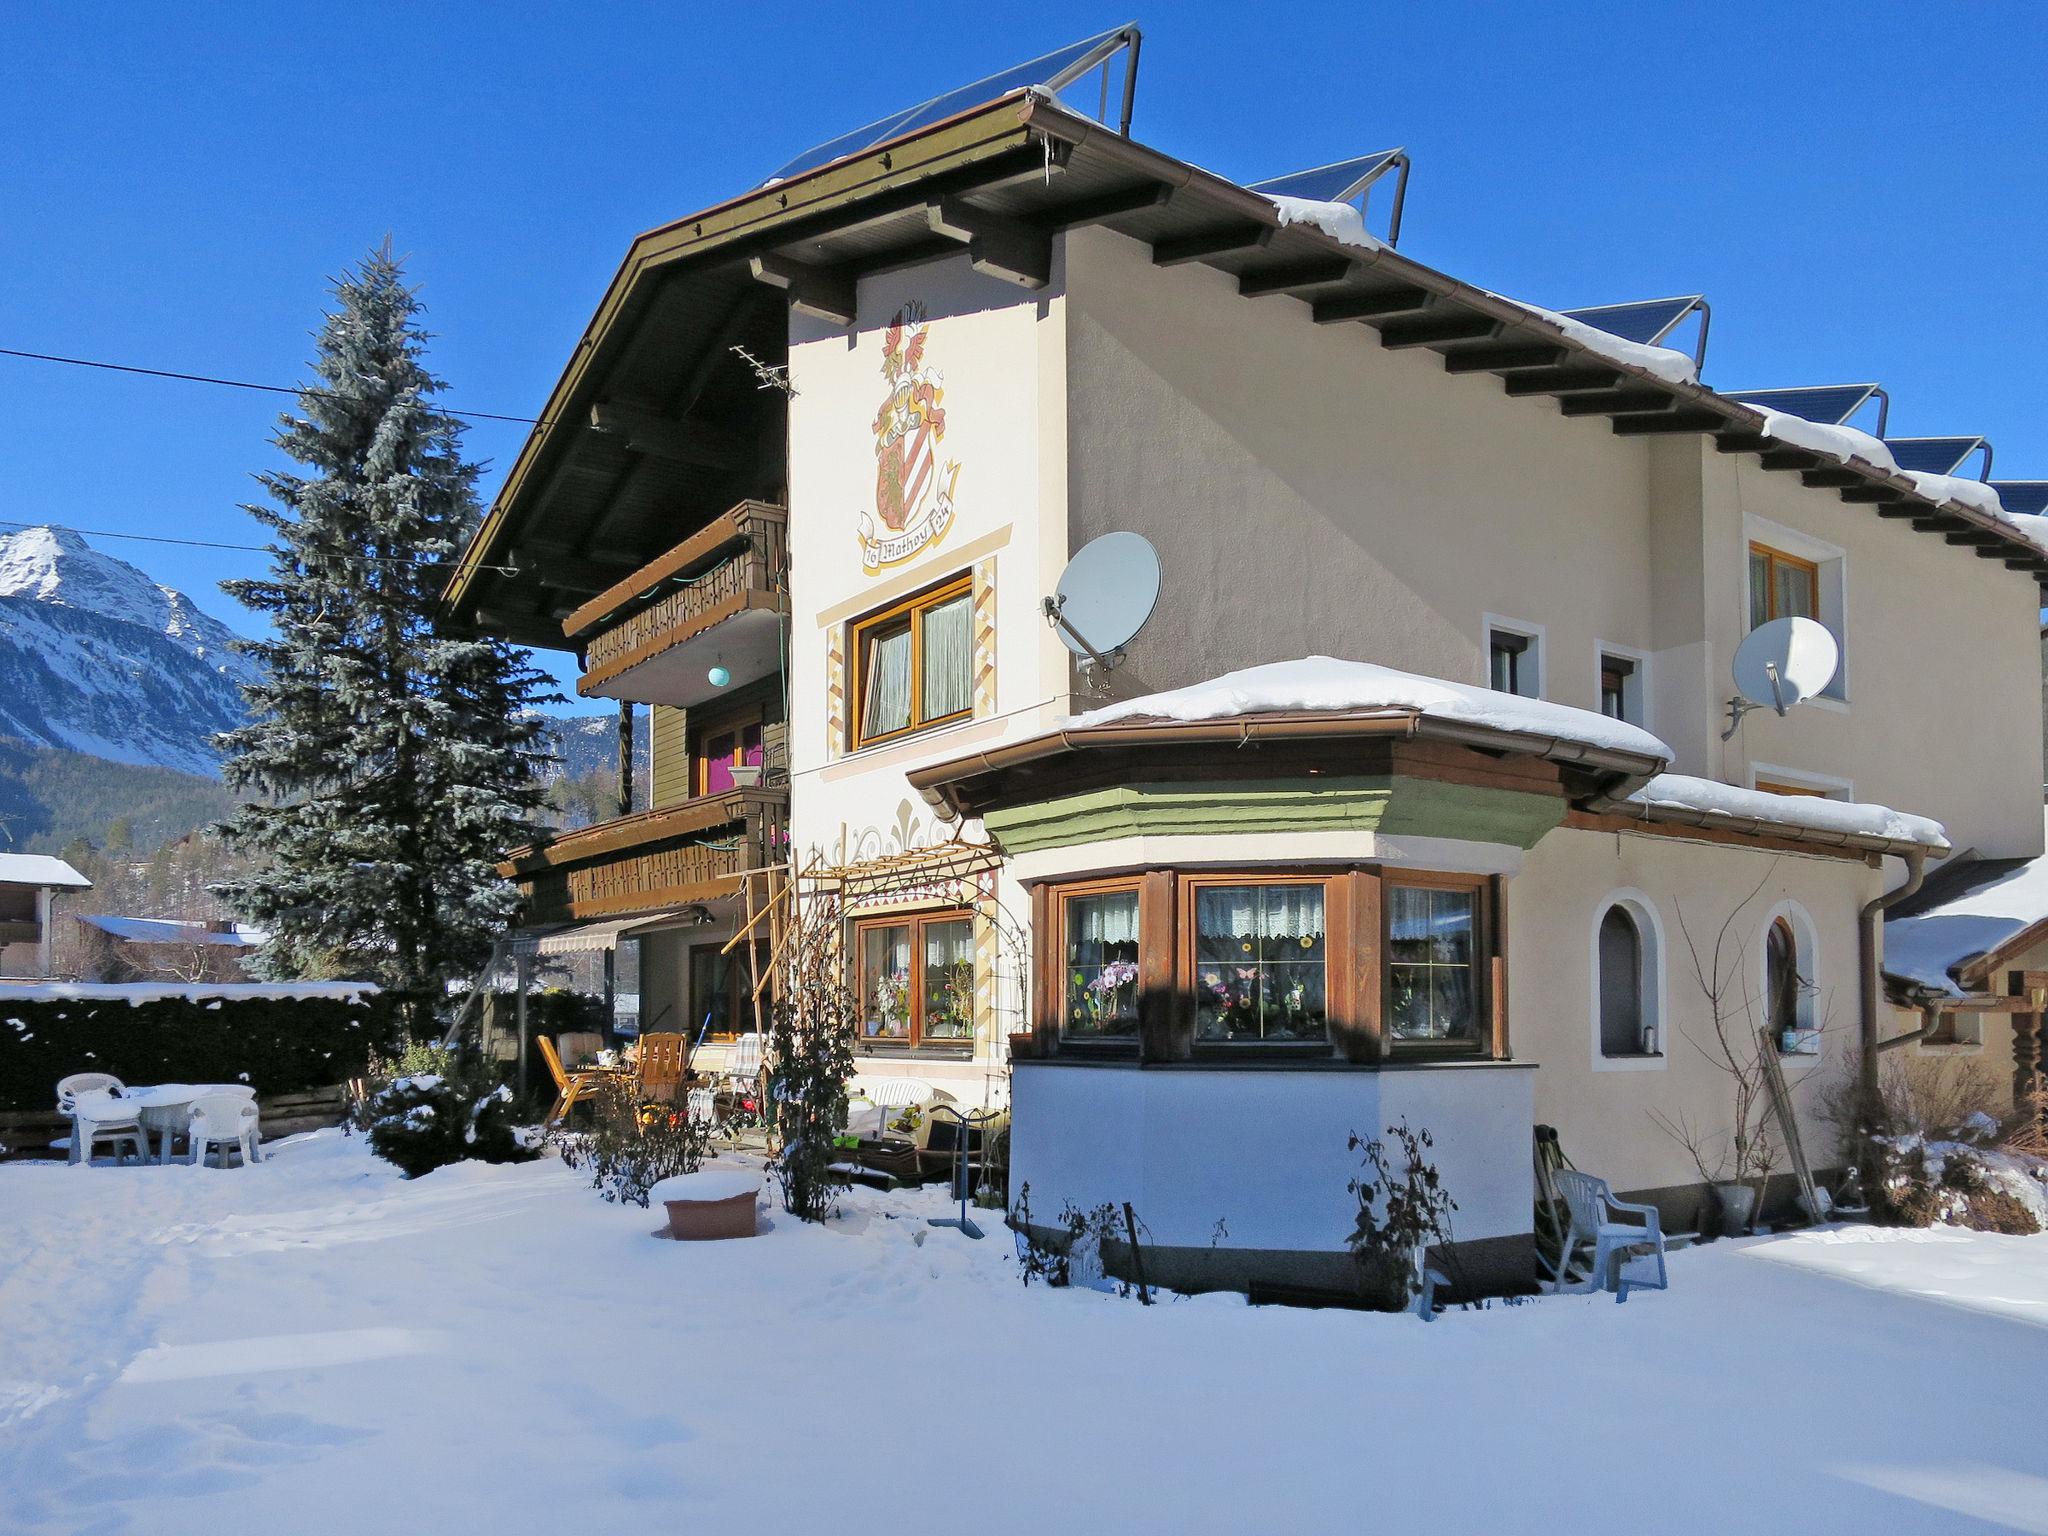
1780, 664
1105, 595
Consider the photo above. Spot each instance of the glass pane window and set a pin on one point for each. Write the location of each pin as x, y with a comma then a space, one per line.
914, 663
949, 979
1101, 965
1259, 963
1432, 955
1759, 587
1781, 586
885, 981
948, 658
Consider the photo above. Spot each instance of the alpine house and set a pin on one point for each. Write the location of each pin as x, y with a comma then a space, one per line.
1411, 801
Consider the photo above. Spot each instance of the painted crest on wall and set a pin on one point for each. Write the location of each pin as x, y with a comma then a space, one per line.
914, 483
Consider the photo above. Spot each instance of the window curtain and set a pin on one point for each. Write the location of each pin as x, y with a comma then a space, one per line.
887, 705
949, 658
1102, 920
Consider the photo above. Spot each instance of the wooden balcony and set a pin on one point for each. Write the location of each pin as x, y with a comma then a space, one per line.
692, 852
717, 598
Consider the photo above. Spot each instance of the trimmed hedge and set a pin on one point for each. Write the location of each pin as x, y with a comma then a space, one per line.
275, 1044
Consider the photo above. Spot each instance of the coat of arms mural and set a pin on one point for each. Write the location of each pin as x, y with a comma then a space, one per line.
913, 485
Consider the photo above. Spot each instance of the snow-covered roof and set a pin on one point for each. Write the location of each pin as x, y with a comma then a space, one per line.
1980, 907
1837, 442
1708, 801
1327, 685
1340, 221
138, 992
1667, 363
165, 930
40, 869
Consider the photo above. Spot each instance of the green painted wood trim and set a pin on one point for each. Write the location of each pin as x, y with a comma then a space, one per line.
1394, 804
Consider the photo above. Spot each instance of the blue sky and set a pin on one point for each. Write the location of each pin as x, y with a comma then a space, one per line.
1861, 198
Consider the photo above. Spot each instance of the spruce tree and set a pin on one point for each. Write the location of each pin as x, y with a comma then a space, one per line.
388, 763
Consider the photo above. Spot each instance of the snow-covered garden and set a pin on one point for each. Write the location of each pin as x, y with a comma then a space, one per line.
316, 1344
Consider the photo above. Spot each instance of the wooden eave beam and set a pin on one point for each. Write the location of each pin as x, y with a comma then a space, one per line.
997, 245
1105, 206
1982, 536
1790, 458
1740, 442
1293, 277
1509, 357
1628, 400
1433, 330
1570, 379
1831, 479
1684, 420
1341, 307
822, 292
1209, 244
1877, 495
682, 442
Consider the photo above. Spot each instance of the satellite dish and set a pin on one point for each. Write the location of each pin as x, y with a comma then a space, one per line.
1780, 664
1105, 595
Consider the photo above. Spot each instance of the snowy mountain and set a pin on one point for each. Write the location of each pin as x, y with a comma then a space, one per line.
98, 658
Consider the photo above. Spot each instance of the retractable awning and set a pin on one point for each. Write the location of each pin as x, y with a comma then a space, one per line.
592, 938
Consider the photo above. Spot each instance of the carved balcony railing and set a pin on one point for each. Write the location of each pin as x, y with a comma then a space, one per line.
716, 598
696, 851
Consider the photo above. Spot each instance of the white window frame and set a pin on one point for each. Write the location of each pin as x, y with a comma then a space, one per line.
1806, 957
1833, 580
1636, 692
1650, 927
1538, 643
1831, 785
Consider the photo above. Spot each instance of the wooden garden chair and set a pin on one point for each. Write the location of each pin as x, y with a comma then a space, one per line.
663, 1065
569, 1086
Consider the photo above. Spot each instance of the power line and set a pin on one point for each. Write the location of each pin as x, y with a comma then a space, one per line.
253, 549
268, 389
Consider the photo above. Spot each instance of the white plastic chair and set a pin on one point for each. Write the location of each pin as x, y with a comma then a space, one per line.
87, 1133
1589, 1200
223, 1120
701, 1105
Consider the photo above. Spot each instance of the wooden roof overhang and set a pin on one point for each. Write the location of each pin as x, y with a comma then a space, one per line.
1073, 760
580, 508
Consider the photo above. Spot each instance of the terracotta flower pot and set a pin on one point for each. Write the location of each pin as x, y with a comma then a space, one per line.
705, 1206
1023, 1046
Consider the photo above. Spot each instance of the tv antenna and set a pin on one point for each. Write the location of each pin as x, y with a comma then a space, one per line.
1104, 597
1780, 664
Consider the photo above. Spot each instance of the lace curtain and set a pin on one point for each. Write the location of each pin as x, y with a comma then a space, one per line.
887, 705
949, 658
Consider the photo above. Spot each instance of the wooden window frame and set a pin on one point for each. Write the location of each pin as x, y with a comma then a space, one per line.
1117, 885
1781, 787
1620, 669
1773, 558
1354, 962
736, 720
916, 606
1488, 948
871, 1045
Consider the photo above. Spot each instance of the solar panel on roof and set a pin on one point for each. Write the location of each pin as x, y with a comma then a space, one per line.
1338, 182
1936, 455
1648, 321
1051, 72
2028, 496
1829, 404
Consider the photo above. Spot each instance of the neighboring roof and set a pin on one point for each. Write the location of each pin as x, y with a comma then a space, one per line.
40, 869
1680, 798
136, 993
1325, 685
1969, 916
165, 930
581, 508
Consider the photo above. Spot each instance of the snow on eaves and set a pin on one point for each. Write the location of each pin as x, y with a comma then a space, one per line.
1974, 494
1843, 443
1327, 685
1928, 946
136, 993
1682, 792
40, 869
1342, 222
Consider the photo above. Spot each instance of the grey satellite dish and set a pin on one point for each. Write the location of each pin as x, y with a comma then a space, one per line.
1780, 664
1105, 595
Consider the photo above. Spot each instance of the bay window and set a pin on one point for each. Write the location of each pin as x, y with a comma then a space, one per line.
1432, 964
1258, 961
1098, 944
916, 980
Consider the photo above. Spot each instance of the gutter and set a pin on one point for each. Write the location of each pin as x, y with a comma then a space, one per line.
1869, 923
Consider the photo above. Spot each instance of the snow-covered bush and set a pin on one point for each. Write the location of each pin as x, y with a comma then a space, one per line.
426, 1122
1921, 1183
632, 1145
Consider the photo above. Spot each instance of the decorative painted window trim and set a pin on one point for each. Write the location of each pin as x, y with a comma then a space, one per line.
1654, 983
911, 611
1831, 565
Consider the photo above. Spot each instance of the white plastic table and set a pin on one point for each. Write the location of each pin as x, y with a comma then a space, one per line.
165, 1108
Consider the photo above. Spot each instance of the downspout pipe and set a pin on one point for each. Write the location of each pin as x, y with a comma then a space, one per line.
1869, 922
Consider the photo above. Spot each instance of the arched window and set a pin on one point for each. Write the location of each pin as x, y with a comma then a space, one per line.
1623, 1022
1628, 989
1788, 981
